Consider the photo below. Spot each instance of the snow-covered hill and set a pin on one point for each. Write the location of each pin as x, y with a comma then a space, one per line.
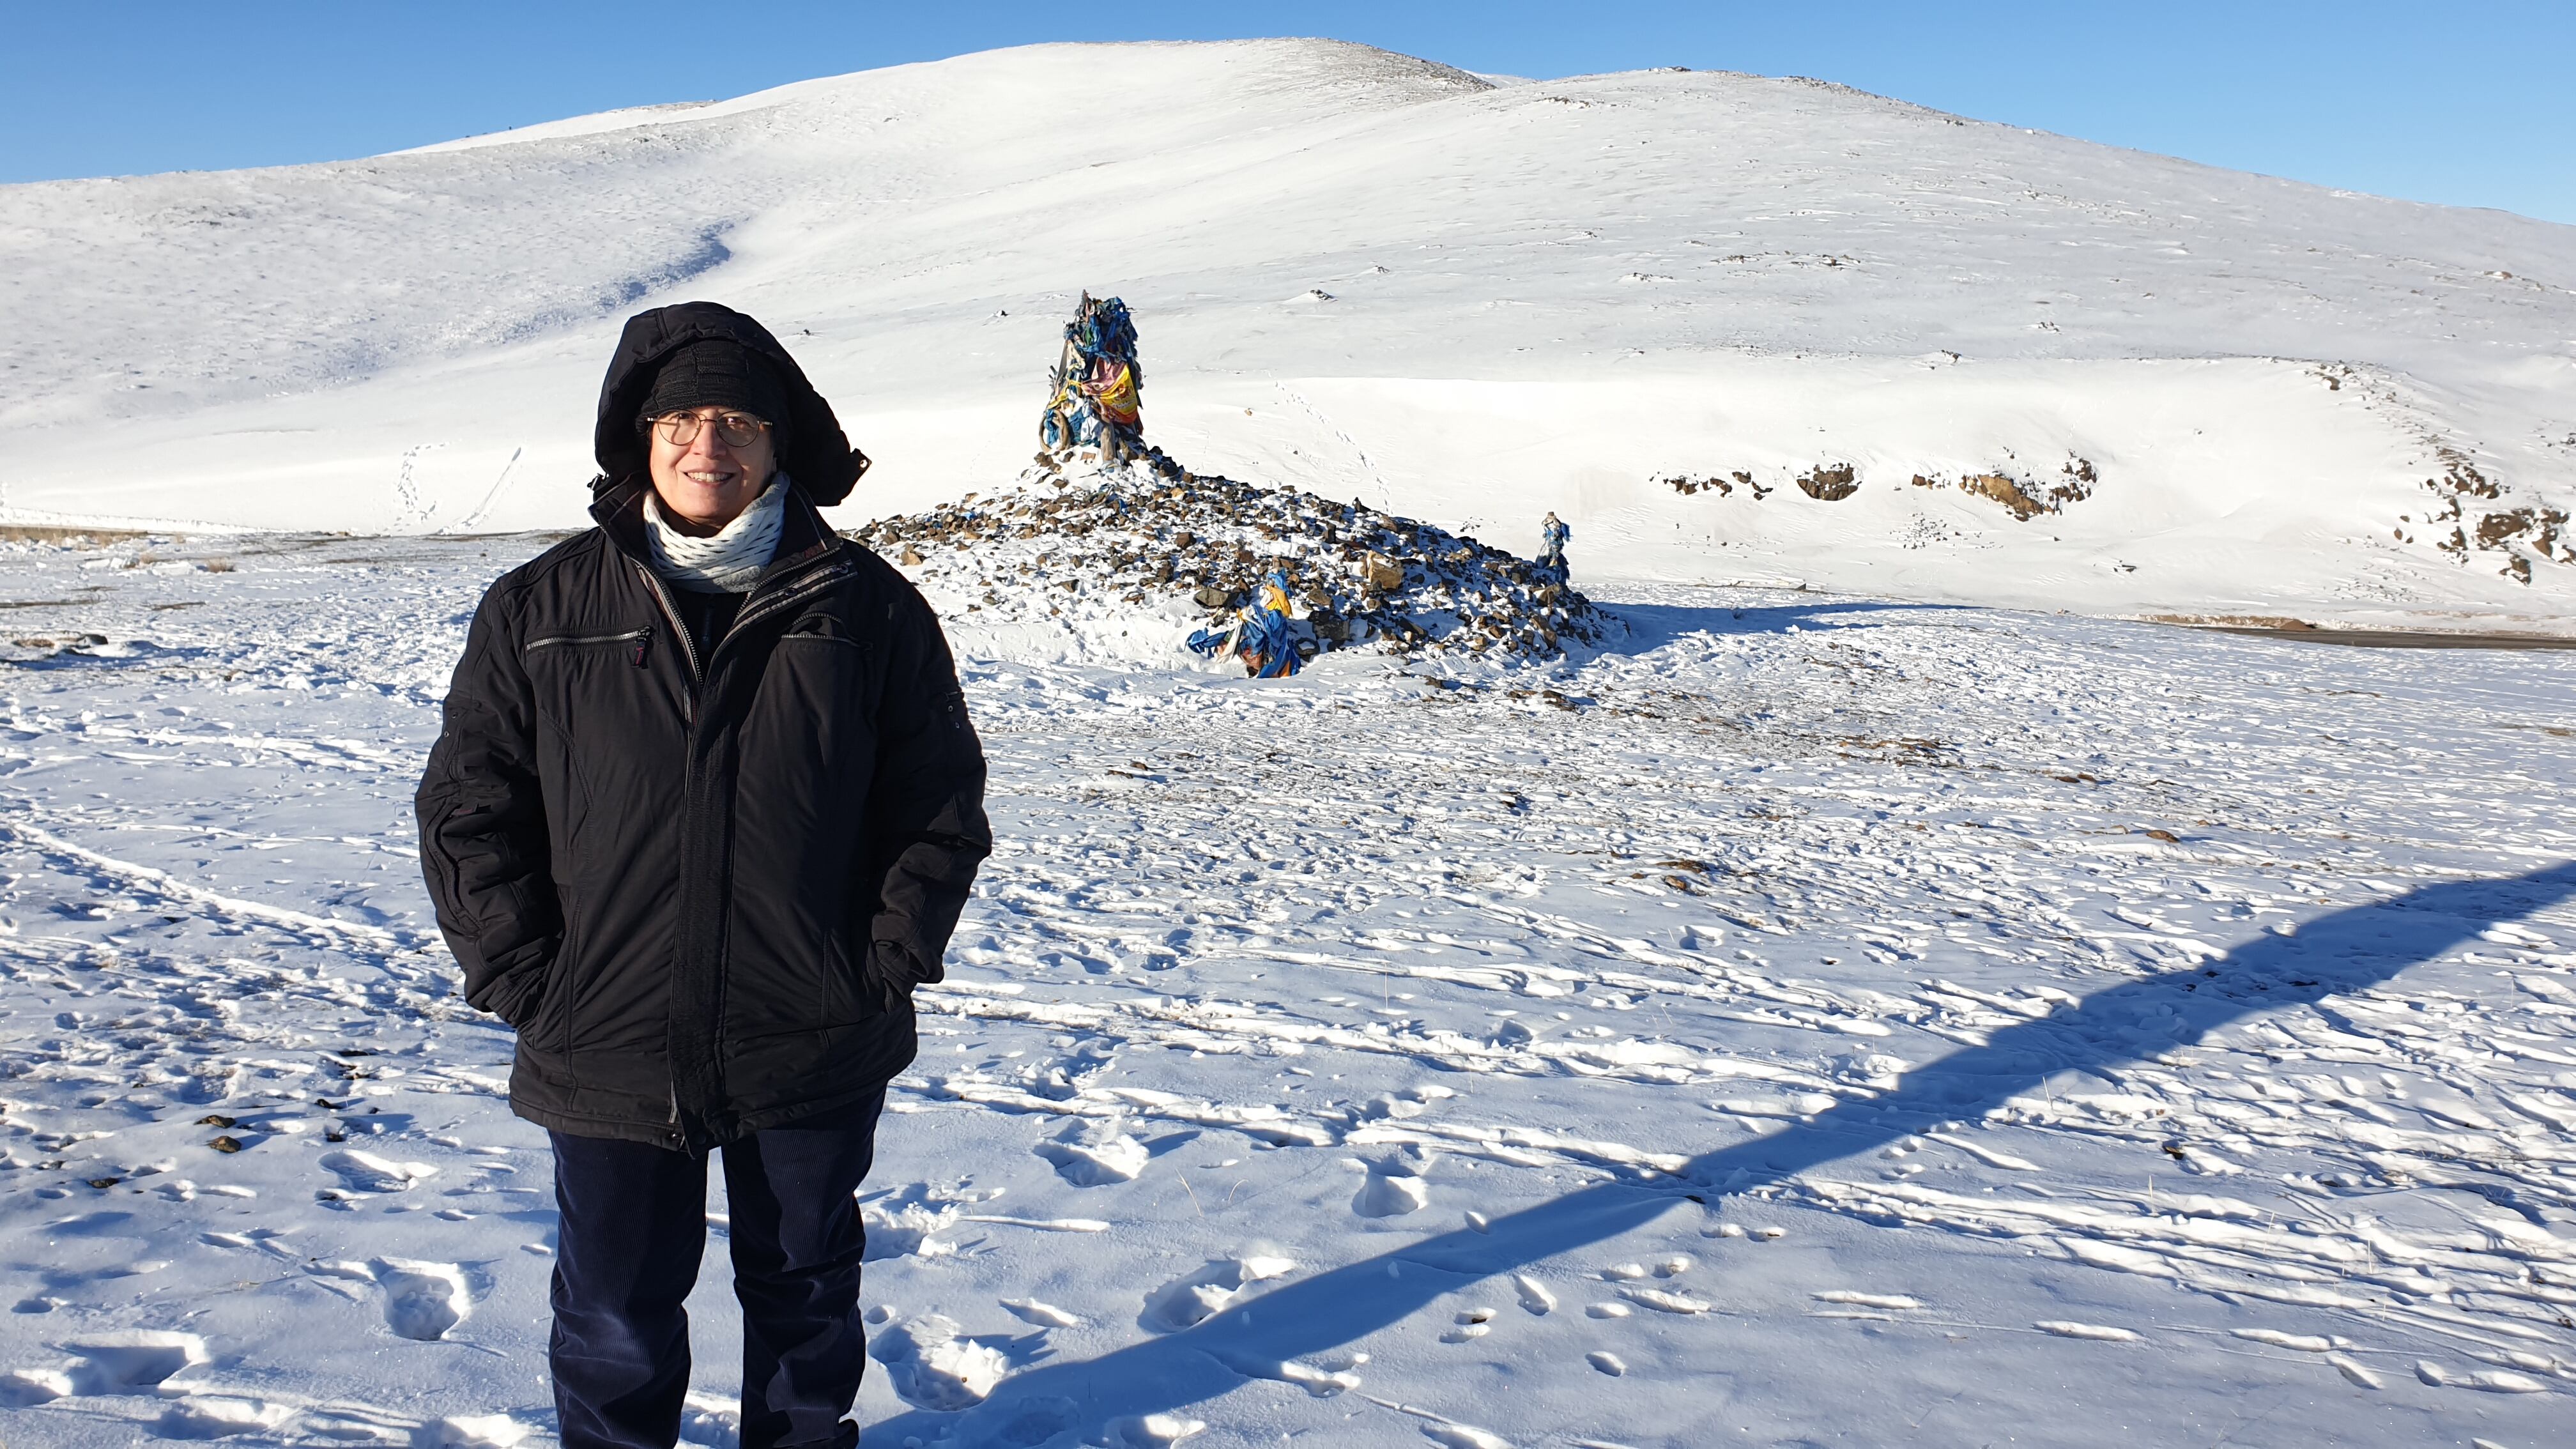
1369, 276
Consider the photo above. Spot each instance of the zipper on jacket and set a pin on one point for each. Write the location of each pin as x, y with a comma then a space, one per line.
684, 1126
680, 631
805, 588
830, 567
638, 637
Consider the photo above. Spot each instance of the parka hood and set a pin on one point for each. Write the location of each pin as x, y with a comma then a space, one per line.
817, 456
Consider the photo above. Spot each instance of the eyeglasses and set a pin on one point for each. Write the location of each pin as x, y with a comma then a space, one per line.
738, 430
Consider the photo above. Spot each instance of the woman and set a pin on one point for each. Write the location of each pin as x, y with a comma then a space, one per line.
704, 812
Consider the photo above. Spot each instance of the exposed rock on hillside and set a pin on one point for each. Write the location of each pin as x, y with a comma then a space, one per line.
1829, 482
2539, 528
2024, 498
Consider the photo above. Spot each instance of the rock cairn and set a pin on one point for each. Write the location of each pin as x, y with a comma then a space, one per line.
1076, 534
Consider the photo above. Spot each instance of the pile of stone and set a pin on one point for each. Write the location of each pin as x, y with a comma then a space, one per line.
1075, 534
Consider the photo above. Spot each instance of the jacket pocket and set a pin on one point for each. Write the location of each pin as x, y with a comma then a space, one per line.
809, 723
517, 992
856, 995
627, 645
891, 971
641, 639
549, 1027
857, 647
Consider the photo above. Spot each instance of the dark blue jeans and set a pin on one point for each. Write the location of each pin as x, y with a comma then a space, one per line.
634, 1227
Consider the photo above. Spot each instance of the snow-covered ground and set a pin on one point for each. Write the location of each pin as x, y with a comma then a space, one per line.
1812, 1020
1376, 277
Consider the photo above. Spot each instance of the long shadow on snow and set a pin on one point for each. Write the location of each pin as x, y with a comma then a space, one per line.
1651, 626
2345, 951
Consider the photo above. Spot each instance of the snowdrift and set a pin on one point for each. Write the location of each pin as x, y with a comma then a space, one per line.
1363, 275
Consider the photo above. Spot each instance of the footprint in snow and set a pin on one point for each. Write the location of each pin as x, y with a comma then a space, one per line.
1664, 1302
1196, 1297
131, 1362
366, 1172
711, 1419
220, 1416
1152, 1431
1470, 1325
2493, 1381
1393, 1188
422, 1300
1534, 1295
1409, 1103
2302, 1342
930, 1367
26, 1388
901, 1224
1850, 1298
2098, 1332
1451, 1435
1108, 1158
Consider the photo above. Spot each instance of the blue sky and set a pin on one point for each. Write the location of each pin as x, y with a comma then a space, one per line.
2471, 102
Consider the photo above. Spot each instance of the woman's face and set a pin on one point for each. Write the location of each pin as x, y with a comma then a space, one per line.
706, 482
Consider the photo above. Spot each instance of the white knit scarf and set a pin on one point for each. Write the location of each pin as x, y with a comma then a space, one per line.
728, 562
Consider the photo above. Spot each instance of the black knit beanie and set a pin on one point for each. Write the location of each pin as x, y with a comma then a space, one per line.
718, 373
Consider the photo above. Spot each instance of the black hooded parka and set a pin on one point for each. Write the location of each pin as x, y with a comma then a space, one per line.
701, 883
